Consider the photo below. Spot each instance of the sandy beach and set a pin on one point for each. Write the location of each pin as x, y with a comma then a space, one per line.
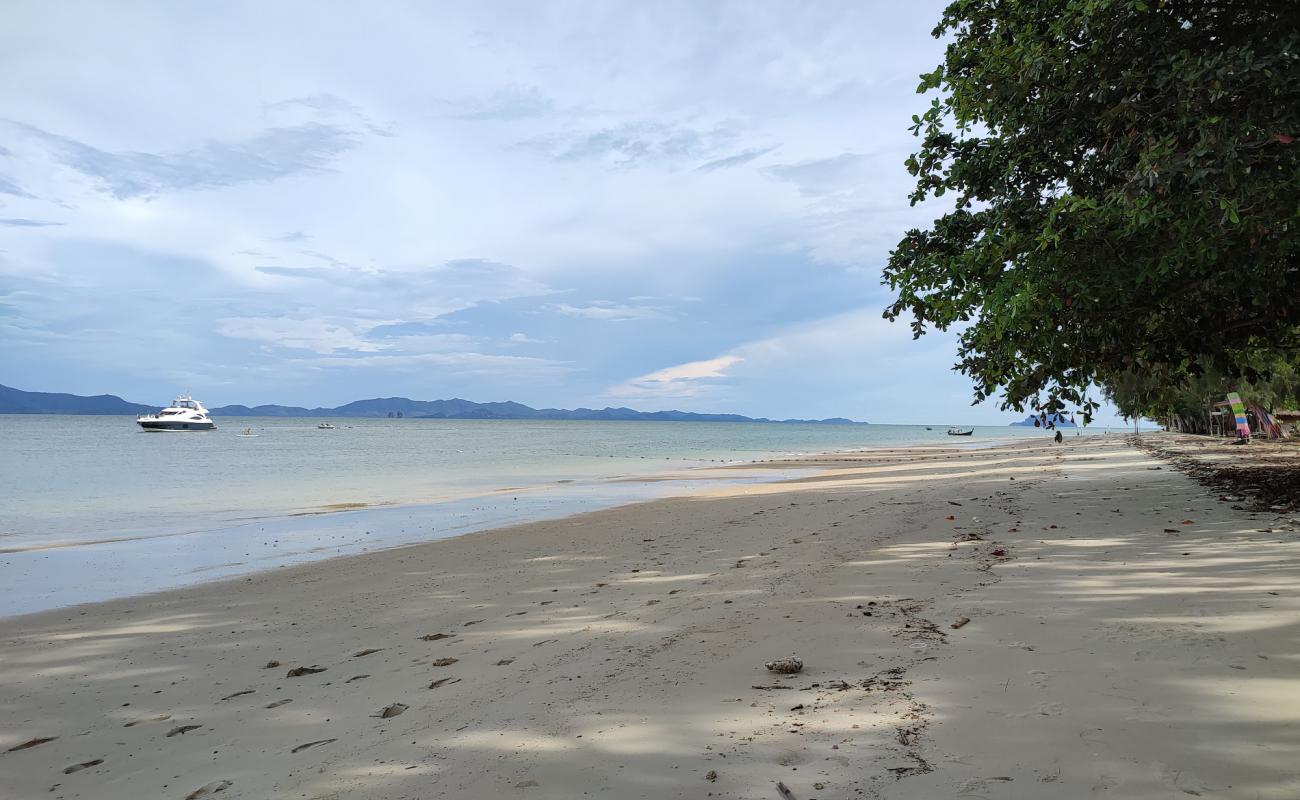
1027, 620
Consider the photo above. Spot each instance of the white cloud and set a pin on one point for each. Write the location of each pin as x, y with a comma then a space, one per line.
609, 311
683, 380
514, 368
317, 335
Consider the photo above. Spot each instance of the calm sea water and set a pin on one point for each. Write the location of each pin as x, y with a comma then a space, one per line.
91, 507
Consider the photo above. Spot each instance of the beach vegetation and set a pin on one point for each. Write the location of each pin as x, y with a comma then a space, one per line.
1121, 185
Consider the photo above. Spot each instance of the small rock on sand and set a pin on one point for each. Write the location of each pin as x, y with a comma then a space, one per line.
785, 666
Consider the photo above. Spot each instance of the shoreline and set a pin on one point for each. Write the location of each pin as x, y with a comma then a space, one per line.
218, 546
1014, 621
137, 566
123, 479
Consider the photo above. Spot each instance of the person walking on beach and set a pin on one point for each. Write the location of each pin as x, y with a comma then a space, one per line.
1057, 437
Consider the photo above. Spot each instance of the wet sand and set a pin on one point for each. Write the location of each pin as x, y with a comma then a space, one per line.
1021, 621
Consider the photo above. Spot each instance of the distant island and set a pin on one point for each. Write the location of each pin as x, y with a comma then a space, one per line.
1033, 421
17, 401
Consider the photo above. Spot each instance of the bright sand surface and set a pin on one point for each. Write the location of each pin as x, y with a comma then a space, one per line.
1129, 635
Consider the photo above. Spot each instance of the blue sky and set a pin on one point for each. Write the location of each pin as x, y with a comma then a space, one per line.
658, 205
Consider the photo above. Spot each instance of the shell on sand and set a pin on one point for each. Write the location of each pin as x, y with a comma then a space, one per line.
786, 666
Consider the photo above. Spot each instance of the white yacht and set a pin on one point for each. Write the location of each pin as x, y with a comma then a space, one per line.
184, 414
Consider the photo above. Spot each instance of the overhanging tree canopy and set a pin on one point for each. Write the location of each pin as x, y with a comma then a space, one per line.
1126, 186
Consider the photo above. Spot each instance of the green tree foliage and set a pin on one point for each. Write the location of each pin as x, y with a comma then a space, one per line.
1187, 394
1125, 178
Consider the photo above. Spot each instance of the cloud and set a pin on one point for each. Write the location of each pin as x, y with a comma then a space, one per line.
739, 159
317, 335
315, 273
683, 380
822, 175
326, 106
272, 154
8, 186
316, 102
609, 312
633, 143
509, 104
521, 338
28, 223
457, 363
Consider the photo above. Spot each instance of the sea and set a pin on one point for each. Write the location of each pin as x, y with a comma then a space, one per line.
92, 508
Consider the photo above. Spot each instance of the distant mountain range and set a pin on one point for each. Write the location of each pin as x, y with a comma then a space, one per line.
1031, 420
16, 401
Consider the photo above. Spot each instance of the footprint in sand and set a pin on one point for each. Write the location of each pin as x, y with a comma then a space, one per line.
392, 710
297, 672
40, 740
159, 718
367, 652
446, 661
302, 747
239, 694
433, 637
443, 682
356, 678
181, 730
209, 789
82, 765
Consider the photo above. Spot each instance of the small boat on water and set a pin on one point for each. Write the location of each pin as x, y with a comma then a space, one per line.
248, 432
184, 414
325, 426
961, 431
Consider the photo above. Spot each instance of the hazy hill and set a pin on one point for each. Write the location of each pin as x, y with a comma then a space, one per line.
1031, 420
16, 401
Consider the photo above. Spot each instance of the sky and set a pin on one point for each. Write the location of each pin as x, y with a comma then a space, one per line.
655, 205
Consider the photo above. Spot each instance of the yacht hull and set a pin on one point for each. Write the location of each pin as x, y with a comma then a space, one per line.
178, 425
